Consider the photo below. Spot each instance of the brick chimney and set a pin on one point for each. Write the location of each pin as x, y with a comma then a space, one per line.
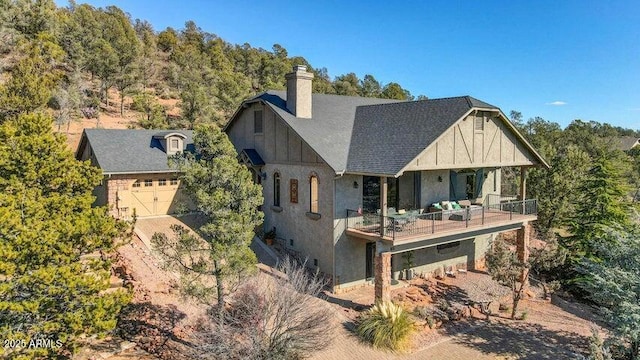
299, 92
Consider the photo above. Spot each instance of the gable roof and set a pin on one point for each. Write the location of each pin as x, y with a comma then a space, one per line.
131, 150
328, 133
386, 138
370, 135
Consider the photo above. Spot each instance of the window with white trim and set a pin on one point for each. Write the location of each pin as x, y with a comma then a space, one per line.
313, 194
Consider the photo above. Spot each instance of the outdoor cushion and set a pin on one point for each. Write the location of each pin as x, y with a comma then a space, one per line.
436, 205
456, 206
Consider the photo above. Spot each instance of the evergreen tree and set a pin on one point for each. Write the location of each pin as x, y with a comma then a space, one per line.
612, 282
227, 201
602, 204
52, 274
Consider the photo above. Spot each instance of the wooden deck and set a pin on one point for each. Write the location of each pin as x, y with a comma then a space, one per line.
427, 227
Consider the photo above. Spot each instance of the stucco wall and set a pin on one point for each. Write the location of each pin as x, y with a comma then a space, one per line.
311, 237
283, 151
350, 253
470, 255
433, 190
462, 146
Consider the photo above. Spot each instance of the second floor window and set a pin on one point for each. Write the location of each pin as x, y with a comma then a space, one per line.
257, 122
313, 192
276, 189
148, 182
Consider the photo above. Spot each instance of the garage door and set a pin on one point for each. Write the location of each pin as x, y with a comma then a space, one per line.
154, 196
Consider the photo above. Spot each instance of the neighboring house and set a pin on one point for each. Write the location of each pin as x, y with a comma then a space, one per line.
137, 176
334, 168
626, 143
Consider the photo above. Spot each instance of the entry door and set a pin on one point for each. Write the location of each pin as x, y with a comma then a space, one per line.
370, 253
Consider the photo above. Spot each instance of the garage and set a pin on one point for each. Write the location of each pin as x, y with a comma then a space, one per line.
152, 196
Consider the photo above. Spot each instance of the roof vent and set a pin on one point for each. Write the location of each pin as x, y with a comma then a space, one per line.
299, 92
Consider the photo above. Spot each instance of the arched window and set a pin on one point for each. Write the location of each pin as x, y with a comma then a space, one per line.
313, 192
276, 189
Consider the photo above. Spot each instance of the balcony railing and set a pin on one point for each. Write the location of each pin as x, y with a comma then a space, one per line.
413, 224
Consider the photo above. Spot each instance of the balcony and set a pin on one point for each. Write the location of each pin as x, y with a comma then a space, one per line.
499, 215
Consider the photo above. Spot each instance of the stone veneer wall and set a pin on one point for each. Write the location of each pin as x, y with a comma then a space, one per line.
113, 185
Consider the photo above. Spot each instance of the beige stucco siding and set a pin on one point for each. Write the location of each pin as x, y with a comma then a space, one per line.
462, 146
432, 189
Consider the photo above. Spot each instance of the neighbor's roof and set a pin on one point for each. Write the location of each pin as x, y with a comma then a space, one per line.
386, 138
628, 142
131, 150
371, 135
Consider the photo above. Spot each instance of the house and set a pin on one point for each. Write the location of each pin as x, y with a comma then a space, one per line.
626, 143
137, 177
337, 170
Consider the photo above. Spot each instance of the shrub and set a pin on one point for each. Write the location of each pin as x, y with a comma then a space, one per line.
386, 325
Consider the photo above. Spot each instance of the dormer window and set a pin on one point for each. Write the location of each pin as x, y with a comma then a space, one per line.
171, 141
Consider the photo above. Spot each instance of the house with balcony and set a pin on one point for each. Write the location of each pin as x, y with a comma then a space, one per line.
366, 188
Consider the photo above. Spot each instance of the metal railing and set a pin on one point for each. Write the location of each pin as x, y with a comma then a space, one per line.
413, 223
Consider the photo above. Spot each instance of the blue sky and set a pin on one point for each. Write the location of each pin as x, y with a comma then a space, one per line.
560, 60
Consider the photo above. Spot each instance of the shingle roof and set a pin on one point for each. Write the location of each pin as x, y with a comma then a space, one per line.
386, 138
370, 135
329, 131
253, 156
628, 142
131, 151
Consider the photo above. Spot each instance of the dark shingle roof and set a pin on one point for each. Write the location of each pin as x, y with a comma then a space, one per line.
386, 138
329, 131
253, 156
370, 135
131, 151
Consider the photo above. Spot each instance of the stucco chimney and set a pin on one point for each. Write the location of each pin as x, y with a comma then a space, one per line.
299, 92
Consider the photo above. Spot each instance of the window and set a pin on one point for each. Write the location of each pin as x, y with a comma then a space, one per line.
313, 192
293, 190
257, 122
136, 184
479, 123
174, 181
276, 189
162, 182
148, 182
175, 144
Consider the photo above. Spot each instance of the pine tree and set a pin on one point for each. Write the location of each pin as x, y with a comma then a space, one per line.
227, 201
602, 204
52, 275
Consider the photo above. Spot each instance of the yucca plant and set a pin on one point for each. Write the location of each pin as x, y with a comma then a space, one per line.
386, 325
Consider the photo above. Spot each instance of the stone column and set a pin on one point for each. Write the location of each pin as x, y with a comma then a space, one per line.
522, 246
383, 276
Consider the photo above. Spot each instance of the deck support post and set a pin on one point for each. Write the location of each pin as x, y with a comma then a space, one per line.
523, 187
522, 246
383, 205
